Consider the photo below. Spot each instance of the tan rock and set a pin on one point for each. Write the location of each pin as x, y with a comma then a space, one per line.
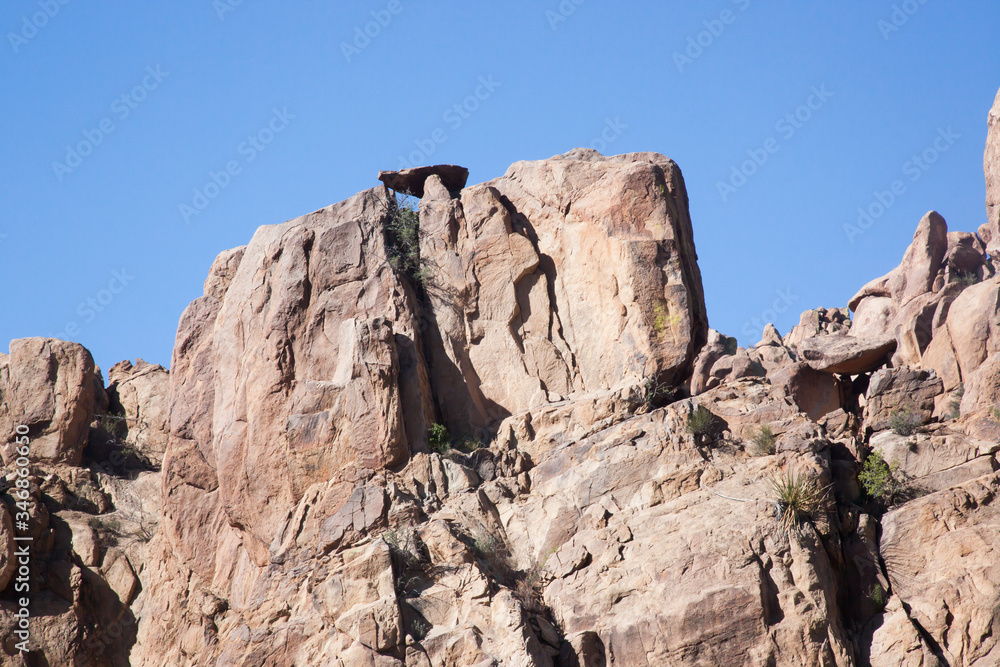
577, 288
815, 393
846, 355
141, 393
411, 181
51, 387
8, 563
892, 390
940, 554
922, 260
818, 322
318, 368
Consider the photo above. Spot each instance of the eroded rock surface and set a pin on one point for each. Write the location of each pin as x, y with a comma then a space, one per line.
611, 491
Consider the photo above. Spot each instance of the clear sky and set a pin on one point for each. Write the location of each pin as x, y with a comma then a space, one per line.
140, 139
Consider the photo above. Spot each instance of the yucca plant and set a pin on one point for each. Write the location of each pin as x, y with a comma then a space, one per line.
797, 498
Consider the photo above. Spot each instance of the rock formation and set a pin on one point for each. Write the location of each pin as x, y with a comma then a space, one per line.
497, 430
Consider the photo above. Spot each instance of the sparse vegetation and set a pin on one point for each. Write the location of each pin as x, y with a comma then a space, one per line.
955, 405
702, 424
438, 438
113, 426
797, 498
905, 421
108, 530
880, 480
879, 597
764, 441
528, 589
403, 241
967, 279
486, 544
656, 393
995, 414
420, 629
408, 557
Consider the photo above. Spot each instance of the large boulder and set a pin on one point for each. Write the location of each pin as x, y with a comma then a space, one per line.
295, 368
569, 275
411, 181
52, 387
846, 355
941, 555
895, 390
139, 393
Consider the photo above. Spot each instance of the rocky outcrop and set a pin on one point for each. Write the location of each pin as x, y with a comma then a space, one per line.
940, 304
296, 373
52, 388
411, 181
138, 396
846, 355
893, 391
565, 276
620, 484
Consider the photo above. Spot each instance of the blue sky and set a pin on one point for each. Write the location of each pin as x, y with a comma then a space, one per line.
141, 139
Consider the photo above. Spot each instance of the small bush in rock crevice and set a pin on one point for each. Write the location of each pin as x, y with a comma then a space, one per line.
403, 242
438, 438
764, 441
880, 480
703, 425
904, 421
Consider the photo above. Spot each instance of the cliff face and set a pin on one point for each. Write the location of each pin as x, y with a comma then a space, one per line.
622, 485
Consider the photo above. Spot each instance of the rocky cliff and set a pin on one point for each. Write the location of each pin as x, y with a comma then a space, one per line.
497, 430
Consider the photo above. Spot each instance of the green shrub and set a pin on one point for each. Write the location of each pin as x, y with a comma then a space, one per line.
764, 441
797, 498
438, 438
879, 480
995, 414
879, 597
403, 241
904, 421
955, 404
702, 424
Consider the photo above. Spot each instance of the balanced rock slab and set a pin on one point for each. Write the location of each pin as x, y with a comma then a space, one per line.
846, 355
411, 181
